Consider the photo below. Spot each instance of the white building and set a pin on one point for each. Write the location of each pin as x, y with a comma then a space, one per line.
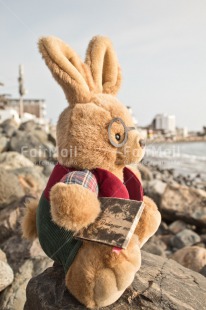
165, 122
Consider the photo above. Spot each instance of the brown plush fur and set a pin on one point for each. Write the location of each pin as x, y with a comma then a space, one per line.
98, 276
69, 206
28, 223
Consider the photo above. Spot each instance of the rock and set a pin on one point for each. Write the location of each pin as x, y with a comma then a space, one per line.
184, 238
145, 172
6, 275
52, 137
3, 144
184, 203
160, 284
190, 257
14, 160
155, 246
27, 260
155, 189
47, 167
9, 126
203, 238
32, 144
163, 228
10, 219
10, 188
177, 226
31, 179
203, 271
28, 126
18, 250
3, 256
14, 297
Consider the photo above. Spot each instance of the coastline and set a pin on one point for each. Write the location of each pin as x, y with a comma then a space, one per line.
181, 140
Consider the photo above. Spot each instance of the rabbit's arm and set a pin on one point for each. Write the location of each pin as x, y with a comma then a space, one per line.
73, 206
150, 218
149, 221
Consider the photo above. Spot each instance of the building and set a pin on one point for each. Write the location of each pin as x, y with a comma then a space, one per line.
32, 109
165, 123
36, 107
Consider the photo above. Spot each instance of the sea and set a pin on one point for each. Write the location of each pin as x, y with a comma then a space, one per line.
186, 158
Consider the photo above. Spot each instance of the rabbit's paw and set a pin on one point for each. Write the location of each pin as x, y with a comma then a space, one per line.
149, 221
73, 206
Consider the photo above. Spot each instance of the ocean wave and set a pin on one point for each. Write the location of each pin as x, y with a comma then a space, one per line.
175, 155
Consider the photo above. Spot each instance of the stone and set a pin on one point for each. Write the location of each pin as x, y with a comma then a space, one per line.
27, 259
155, 246
10, 188
32, 180
203, 238
155, 189
9, 127
145, 172
184, 238
3, 256
203, 271
28, 126
177, 226
184, 203
190, 257
3, 144
160, 284
31, 144
14, 297
10, 219
6, 275
14, 160
52, 137
18, 250
47, 167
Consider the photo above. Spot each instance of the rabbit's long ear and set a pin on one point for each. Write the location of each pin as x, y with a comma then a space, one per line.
67, 69
102, 61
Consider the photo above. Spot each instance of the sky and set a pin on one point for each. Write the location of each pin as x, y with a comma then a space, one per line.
160, 44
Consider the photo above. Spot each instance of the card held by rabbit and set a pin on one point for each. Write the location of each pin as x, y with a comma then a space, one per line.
96, 141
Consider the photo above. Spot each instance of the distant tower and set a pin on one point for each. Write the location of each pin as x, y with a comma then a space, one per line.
22, 91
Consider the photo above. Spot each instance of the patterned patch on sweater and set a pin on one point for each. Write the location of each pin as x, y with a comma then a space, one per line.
84, 178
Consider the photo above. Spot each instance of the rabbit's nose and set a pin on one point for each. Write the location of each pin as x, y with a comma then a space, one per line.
142, 143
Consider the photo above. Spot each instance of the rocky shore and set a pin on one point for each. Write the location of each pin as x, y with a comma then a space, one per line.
173, 272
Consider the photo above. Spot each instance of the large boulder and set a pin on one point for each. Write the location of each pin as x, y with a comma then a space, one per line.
32, 144
9, 126
10, 219
10, 188
184, 203
14, 160
27, 260
4, 142
192, 257
155, 189
31, 179
6, 275
184, 238
159, 284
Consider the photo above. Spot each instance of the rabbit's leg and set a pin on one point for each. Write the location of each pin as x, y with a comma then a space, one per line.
73, 206
98, 276
149, 221
110, 283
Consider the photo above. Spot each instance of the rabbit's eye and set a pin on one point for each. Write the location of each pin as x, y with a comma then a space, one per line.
117, 137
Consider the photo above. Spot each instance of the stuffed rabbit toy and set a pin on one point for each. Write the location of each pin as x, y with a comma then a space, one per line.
96, 140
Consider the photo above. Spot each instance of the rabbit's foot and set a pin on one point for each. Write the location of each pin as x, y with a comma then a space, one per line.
73, 206
149, 221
